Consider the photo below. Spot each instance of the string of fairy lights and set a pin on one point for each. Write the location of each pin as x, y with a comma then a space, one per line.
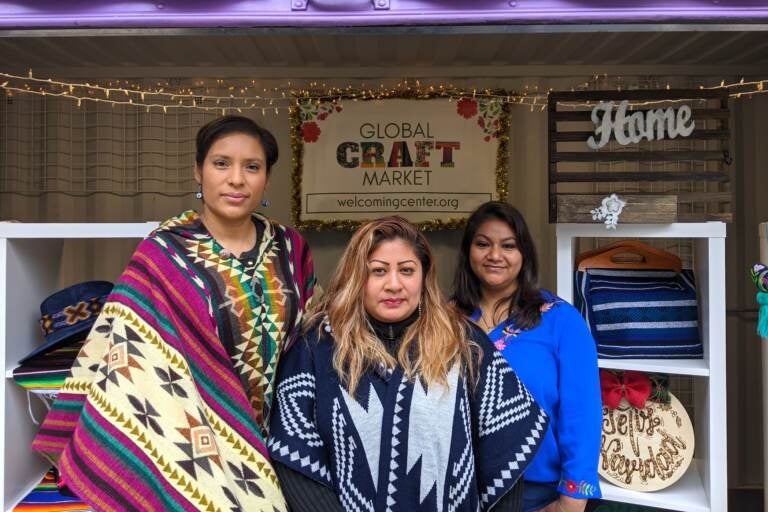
220, 97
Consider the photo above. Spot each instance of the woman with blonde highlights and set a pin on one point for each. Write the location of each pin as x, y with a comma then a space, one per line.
390, 402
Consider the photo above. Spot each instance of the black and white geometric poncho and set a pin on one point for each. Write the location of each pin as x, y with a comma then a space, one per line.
402, 446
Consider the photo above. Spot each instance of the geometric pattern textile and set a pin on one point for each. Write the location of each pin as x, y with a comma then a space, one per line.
165, 408
401, 445
640, 313
47, 498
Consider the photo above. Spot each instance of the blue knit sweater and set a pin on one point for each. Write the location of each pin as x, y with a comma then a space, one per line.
557, 361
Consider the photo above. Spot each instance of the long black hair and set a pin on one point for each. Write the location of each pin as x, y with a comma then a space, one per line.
526, 301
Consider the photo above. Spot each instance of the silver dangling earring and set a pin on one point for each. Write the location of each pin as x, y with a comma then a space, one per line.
265, 202
419, 308
199, 194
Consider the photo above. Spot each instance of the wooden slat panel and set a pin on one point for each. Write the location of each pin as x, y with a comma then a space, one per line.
642, 94
606, 177
572, 165
552, 167
704, 197
696, 135
639, 208
700, 114
635, 156
704, 217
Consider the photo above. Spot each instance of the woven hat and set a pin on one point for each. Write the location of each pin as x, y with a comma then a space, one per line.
67, 315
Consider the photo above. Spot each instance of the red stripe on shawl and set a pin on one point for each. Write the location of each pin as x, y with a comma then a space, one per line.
196, 353
303, 265
50, 506
46, 443
129, 445
106, 465
138, 308
96, 500
211, 339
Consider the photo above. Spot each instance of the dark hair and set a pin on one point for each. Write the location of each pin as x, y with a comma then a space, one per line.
226, 125
526, 301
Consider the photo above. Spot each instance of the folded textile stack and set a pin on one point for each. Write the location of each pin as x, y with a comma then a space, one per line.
639, 302
44, 374
46, 497
641, 313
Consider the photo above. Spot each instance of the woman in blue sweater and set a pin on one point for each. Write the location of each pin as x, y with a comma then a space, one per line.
546, 342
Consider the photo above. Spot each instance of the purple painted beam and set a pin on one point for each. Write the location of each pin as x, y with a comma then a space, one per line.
26, 14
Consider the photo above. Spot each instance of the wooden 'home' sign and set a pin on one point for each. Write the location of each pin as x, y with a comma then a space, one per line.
664, 152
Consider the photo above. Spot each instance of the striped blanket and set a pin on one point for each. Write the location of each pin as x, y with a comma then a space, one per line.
45, 374
167, 403
46, 497
640, 313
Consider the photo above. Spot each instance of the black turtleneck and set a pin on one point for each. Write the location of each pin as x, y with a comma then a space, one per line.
391, 333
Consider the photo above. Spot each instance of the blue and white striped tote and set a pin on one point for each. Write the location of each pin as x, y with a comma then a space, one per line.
640, 313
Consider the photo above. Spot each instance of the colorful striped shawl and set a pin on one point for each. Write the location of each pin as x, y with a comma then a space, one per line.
47, 498
165, 406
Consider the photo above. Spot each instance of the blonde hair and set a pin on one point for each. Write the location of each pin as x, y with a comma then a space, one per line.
431, 345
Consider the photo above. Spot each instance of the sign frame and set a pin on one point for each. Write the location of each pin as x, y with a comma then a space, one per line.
415, 94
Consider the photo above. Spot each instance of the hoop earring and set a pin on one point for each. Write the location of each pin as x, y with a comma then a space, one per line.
199, 194
265, 202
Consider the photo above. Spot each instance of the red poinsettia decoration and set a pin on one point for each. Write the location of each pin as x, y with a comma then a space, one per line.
466, 108
310, 132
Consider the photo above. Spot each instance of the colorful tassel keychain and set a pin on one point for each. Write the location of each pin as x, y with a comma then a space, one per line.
759, 275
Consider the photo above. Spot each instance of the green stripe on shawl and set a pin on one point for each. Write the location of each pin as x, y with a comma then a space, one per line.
129, 459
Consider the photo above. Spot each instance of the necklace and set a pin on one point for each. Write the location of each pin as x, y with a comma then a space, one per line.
490, 317
485, 324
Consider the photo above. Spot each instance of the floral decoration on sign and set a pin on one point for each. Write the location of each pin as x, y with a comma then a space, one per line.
311, 113
489, 118
609, 211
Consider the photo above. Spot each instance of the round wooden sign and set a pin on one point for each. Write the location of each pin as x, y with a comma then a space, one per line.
646, 449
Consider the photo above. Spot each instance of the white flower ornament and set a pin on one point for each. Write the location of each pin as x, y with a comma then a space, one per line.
609, 211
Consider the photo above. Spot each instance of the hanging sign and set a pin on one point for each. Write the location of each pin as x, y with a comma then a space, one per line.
432, 161
647, 448
659, 154
654, 124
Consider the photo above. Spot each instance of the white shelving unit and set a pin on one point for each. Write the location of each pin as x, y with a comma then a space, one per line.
704, 486
30, 256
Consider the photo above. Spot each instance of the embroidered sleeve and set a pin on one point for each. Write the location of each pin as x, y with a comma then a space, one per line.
294, 436
509, 426
581, 413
